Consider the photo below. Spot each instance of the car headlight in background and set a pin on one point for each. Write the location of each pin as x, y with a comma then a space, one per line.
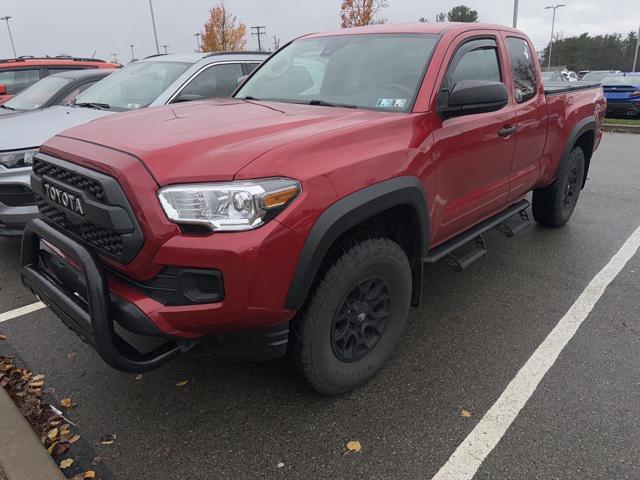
18, 158
230, 206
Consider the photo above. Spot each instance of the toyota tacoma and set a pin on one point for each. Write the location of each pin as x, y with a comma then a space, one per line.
297, 217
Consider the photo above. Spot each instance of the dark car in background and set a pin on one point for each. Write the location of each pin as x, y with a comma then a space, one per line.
16, 74
623, 95
58, 89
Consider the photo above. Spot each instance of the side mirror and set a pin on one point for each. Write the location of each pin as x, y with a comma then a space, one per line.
242, 79
469, 97
3, 89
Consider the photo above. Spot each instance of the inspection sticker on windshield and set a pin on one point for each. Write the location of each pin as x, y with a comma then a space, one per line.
391, 102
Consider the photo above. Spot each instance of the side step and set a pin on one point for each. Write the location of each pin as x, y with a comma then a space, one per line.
470, 246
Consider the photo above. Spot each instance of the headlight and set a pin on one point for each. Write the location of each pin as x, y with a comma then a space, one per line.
230, 207
18, 158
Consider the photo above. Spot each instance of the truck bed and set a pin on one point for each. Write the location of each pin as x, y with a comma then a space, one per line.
555, 88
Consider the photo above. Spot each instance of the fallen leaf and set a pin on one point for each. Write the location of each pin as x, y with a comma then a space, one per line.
67, 403
37, 378
66, 463
465, 413
51, 447
107, 439
280, 464
36, 384
89, 474
139, 377
3, 337
354, 446
74, 439
182, 383
53, 433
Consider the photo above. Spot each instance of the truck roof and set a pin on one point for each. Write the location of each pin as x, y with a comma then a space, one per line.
418, 27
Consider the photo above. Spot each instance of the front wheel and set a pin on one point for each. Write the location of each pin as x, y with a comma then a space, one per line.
354, 318
553, 205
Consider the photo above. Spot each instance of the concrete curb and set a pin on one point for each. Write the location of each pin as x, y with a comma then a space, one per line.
22, 455
614, 128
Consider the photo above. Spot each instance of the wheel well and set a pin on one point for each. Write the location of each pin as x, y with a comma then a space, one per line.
586, 141
400, 224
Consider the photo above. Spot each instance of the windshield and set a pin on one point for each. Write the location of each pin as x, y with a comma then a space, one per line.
595, 76
37, 94
380, 72
622, 80
133, 87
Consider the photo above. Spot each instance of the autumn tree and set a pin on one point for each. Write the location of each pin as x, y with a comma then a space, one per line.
358, 13
223, 32
462, 13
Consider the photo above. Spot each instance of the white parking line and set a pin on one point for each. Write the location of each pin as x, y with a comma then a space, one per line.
18, 312
469, 456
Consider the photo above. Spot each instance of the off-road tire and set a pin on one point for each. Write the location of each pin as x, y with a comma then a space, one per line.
554, 205
315, 353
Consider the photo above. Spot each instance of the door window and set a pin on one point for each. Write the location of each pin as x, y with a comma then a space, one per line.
18, 80
71, 96
524, 70
475, 60
214, 82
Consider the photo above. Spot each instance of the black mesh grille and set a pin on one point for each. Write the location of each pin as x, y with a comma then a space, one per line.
104, 240
93, 188
106, 221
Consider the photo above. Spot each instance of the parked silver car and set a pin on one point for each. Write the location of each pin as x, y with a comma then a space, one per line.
154, 81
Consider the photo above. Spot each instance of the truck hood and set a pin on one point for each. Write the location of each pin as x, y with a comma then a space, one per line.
32, 129
213, 140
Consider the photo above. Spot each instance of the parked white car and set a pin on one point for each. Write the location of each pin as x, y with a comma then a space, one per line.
154, 81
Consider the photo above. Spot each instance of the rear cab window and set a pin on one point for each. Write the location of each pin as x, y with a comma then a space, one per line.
525, 82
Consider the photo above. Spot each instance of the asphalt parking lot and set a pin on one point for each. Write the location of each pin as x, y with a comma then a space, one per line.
461, 350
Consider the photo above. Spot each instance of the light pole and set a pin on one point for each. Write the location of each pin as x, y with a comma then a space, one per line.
166, 51
133, 55
197, 35
155, 32
515, 13
6, 19
635, 58
553, 27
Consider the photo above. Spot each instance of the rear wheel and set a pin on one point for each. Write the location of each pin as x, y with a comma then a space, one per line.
554, 205
354, 318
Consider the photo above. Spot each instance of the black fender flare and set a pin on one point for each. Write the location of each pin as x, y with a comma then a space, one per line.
347, 213
589, 124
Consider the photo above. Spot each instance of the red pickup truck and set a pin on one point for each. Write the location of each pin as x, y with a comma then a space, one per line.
297, 217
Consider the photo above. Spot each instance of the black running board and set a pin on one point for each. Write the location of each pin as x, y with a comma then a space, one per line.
469, 246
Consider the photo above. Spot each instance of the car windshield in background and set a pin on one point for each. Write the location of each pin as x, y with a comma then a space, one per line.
37, 94
380, 72
622, 80
133, 87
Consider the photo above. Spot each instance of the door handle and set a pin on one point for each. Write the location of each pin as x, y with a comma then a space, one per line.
506, 131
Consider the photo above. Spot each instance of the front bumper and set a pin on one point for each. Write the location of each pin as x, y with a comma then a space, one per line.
80, 291
623, 109
15, 212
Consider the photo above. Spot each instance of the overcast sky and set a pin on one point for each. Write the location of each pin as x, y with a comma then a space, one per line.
80, 27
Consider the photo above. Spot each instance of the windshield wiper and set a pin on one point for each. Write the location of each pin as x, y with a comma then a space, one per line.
95, 105
8, 108
322, 103
249, 97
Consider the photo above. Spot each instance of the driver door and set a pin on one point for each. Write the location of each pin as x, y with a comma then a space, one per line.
473, 153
